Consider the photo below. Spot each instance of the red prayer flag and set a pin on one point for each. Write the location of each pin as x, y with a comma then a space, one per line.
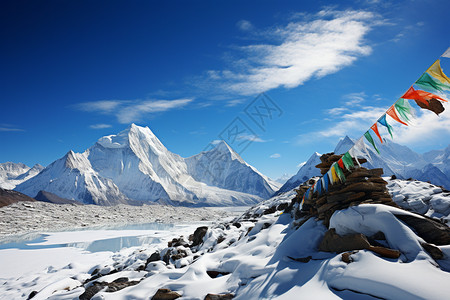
341, 164
375, 129
391, 112
421, 96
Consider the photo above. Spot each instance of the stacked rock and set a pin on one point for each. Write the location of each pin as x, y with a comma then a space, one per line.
361, 186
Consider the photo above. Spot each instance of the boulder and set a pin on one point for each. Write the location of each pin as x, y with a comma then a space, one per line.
165, 294
199, 234
219, 296
430, 230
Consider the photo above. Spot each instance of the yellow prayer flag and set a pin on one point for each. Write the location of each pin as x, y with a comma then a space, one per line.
436, 71
334, 175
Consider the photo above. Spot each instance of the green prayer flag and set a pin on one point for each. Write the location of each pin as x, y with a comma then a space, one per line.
370, 139
339, 173
404, 109
426, 81
348, 161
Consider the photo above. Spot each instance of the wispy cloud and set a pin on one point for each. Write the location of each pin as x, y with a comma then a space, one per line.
128, 111
299, 51
251, 137
244, 25
354, 98
275, 155
234, 102
100, 126
9, 128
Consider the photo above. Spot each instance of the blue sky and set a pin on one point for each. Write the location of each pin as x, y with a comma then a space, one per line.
73, 71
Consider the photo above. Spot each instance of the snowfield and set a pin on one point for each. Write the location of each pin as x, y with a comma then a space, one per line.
263, 254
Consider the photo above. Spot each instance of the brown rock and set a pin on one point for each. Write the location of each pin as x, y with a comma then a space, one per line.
385, 252
219, 296
363, 187
165, 294
346, 257
434, 251
333, 242
430, 230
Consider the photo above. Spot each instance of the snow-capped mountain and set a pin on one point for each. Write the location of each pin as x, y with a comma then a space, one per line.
135, 166
12, 174
395, 159
306, 171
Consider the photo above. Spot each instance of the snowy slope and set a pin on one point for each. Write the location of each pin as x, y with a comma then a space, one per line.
135, 165
13, 174
267, 254
306, 171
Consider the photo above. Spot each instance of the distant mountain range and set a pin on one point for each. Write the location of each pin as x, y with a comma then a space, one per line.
395, 159
134, 166
12, 174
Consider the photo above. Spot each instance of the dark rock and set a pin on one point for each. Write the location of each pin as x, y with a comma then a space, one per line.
266, 225
237, 225
214, 274
220, 239
91, 290
154, 257
32, 294
434, 251
430, 230
379, 236
393, 177
199, 234
282, 206
270, 210
301, 259
219, 296
165, 294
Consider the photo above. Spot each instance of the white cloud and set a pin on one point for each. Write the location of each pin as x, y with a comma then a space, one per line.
275, 155
425, 128
10, 129
354, 98
128, 111
244, 25
251, 137
104, 106
352, 122
234, 102
100, 126
300, 51
135, 112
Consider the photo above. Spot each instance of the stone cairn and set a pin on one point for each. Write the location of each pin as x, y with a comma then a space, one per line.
361, 186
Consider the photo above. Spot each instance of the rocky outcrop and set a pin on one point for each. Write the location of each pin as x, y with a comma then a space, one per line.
109, 287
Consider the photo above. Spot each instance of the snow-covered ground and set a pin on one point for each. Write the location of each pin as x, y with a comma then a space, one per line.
264, 254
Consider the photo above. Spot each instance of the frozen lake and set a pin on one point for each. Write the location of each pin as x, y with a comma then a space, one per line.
41, 251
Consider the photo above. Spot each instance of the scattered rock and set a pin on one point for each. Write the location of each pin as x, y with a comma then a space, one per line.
219, 296
270, 210
199, 234
109, 287
301, 259
346, 257
434, 251
32, 294
165, 294
214, 274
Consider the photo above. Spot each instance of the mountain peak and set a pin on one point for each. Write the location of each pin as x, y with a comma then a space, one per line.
344, 145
